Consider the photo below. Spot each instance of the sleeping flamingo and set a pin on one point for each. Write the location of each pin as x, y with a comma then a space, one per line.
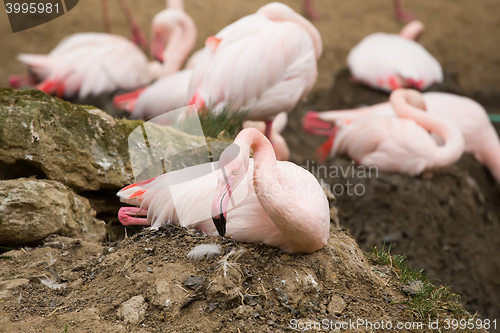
389, 61
95, 63
396, 144
277, 203
481, 138
264, 63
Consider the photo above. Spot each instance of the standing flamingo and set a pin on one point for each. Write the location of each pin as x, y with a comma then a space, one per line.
264, 64
95, 63
398, 144
278, 203
481, 138
279, 143
389, 61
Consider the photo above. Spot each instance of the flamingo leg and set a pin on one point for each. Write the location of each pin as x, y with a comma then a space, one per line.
105, 16
269, 127
137, 35
130, 216
310, 11
400, 14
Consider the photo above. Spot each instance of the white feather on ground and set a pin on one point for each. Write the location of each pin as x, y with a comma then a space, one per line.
203, 250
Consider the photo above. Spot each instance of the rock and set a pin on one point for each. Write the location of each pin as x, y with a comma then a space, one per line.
413, 287
31, 209
337, 305
80, 146
7, 287
243, 311
194, 282
133, 310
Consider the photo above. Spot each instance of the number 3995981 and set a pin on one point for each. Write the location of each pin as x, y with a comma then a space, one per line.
31, 8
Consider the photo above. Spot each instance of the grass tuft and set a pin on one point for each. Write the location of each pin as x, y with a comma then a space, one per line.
429, 300
223, 125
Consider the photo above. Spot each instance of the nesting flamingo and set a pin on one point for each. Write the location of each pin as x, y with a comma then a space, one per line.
390, 61
395, 144
276, 203
264, 63
95, 63
481, 138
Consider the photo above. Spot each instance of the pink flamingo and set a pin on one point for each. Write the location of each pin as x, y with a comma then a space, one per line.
279, 143
165, 94
95, 63
264, 63
481, 139
394, 144
280, 204
389, 61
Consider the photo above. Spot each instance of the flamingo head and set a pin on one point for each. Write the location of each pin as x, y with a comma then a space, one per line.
414, 98
232, 170
158, 44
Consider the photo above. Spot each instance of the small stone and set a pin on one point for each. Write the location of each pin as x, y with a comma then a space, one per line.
149, 270
413, 287
243, 311
133, 310
194, 282
337, 305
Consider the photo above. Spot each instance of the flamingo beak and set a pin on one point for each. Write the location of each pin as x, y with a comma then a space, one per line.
220, 203
157, 47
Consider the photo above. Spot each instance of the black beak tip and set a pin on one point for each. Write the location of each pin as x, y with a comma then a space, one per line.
220, 224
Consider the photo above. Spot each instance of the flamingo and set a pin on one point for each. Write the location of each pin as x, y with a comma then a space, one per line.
481, 138
95, 63
389, 61
279, 143
277, 203
263, 63
394, 144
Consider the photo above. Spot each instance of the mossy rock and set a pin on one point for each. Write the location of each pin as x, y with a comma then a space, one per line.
80, 146
31, 210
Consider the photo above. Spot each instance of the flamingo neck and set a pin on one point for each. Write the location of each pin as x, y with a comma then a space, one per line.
280, 12
181, 41
277, 200
454, 145
413, 30
175, 4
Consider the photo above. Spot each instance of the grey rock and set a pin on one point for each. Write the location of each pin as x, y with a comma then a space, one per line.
133, 310
31, 210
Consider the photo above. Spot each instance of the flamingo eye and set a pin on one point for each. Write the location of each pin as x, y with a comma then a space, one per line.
235, 172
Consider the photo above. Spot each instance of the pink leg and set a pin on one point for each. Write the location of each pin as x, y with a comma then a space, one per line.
20, 81
400, 14
129, 216
137, 35
269, 127
105, 16
310, 11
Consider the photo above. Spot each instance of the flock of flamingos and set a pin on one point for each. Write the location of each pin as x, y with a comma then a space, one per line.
264, 64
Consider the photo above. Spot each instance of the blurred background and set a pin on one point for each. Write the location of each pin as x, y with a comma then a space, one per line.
461, 34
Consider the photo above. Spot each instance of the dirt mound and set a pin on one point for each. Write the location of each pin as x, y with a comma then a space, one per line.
146, 284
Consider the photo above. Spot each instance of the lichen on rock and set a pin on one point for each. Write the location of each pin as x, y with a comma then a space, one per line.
31, 210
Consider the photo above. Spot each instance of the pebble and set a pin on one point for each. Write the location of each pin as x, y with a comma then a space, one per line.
149, 270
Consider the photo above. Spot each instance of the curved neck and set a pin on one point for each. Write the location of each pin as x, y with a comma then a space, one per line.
279, 12
175, 4
181, 41
454, 142
413, 30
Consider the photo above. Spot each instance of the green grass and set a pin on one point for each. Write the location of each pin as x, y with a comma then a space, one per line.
227, 123
429, 300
